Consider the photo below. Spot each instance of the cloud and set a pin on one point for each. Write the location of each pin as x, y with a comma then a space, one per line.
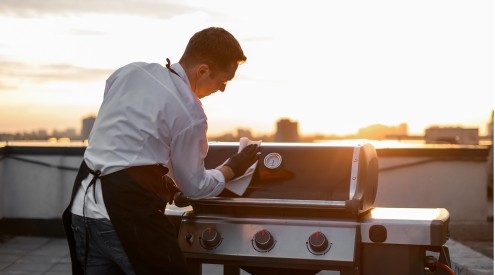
36, 8
5, 86
14, 73
66, 72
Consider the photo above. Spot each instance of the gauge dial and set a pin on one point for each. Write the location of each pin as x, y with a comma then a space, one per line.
272, 160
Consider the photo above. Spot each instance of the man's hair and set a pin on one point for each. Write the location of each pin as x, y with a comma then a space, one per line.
213, 46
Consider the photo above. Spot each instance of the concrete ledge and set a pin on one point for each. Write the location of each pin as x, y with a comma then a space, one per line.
466, 261
471, 230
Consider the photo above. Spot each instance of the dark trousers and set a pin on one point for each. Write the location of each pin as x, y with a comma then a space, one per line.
105, 252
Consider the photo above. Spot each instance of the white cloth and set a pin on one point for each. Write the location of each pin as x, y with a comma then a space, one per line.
239, 185
149, 115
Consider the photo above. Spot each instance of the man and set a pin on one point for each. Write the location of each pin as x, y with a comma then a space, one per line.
150, 128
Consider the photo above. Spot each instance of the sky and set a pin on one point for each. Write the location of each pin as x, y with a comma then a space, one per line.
332, 66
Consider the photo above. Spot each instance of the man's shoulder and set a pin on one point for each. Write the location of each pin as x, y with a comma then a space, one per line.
143, 65
139, 68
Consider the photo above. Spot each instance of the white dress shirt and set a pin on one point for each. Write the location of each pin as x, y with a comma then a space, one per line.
149, 115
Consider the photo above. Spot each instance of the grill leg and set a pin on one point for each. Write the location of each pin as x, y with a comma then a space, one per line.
231, 270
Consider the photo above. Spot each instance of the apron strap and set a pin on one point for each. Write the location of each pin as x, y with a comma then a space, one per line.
96, 175
170, 68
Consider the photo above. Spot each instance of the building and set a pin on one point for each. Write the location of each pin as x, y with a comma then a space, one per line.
287, 131
380, 132
452, 135
87, 125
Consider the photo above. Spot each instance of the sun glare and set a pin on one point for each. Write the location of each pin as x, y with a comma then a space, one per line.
406, 213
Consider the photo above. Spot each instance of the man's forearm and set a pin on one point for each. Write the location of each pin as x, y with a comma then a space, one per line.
227, 172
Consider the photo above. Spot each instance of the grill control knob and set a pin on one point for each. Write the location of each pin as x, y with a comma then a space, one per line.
210, 238
318, 243
263, 241
190, 238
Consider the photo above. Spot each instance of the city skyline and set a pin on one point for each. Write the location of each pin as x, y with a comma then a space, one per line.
333, 67
395, 131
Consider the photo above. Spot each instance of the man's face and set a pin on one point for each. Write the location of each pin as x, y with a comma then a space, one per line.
211, 81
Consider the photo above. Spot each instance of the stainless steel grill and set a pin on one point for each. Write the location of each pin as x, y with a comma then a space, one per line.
309, 208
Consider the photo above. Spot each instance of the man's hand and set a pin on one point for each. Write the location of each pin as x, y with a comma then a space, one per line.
241, 161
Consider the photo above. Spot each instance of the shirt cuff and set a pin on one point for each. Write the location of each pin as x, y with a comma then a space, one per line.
218, 175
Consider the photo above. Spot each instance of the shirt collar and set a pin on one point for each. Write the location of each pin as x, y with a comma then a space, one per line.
178, 68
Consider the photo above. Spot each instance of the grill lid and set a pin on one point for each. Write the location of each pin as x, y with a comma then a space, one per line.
303, 175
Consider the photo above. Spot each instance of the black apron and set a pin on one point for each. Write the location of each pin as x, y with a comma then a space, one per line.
135, 199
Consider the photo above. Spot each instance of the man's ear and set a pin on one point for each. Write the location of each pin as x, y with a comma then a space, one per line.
203, 71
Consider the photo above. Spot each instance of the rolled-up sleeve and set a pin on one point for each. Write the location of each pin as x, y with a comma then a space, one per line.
188, 151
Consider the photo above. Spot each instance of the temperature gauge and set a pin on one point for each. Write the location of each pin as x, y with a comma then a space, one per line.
272, 160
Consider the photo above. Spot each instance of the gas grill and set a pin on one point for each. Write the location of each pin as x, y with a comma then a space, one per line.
310, 208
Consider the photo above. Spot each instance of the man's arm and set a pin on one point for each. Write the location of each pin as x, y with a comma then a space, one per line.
227, 172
